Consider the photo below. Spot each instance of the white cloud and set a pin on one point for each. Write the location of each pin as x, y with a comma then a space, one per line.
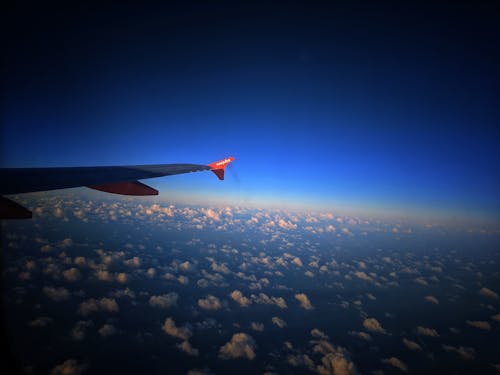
122, 277
421, 281
297, 262
93, 305
104, 275
164, 300
69, 367
42, 321
133, 262
304, 301
412, 345
464, 352
210, 303
300, 360
80, 261
279, 322
287, 224
432, 299
186, 347
211, 214
257, 326
72, 274
185, 266
241, 345
222, 268
393, 361
479, 324
238, 297
56, 294
264, 299
316, 333
427, 332
169, 327
337, 363
361, 335
363, 276
127, 292
79, 331
107, 330
67, 242
488, 293
373, 325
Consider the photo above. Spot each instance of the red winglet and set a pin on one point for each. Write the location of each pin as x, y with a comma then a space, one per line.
218, 166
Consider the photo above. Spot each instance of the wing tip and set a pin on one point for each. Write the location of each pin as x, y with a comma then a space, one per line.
218, 167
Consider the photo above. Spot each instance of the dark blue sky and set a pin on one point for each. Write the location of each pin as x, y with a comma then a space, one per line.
366, 106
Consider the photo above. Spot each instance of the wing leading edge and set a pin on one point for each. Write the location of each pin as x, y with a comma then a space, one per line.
112, 179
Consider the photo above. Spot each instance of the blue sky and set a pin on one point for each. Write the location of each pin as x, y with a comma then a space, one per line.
382, 108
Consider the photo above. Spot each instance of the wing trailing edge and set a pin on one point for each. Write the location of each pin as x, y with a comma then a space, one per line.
126, 188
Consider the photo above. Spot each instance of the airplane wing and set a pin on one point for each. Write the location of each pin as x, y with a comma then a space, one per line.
113, 179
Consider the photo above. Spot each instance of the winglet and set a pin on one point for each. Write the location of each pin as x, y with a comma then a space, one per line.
218, 166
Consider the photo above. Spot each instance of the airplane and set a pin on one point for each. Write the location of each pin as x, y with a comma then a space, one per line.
112, 179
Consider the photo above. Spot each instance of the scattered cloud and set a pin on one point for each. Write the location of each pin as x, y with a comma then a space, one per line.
361, 335
337, 362
363, 276
318, 334
238, 297
393, 361
259, 327
221, 268
56, 294
210, 303
423, 331
186, 347
107, 330
169, 327
412, 345
72, 274
94, 305
488, 293
122, 277
481, 324
133, 262
42, 321
103, 275
69, 367
278, 321
464, 352
297, 360
164, 301
264, 299
372, 324
297, 262
79, 331
241, 345
304, 301
432, 299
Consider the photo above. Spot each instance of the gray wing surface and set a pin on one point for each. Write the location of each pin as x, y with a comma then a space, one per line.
27, 180
115, 179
